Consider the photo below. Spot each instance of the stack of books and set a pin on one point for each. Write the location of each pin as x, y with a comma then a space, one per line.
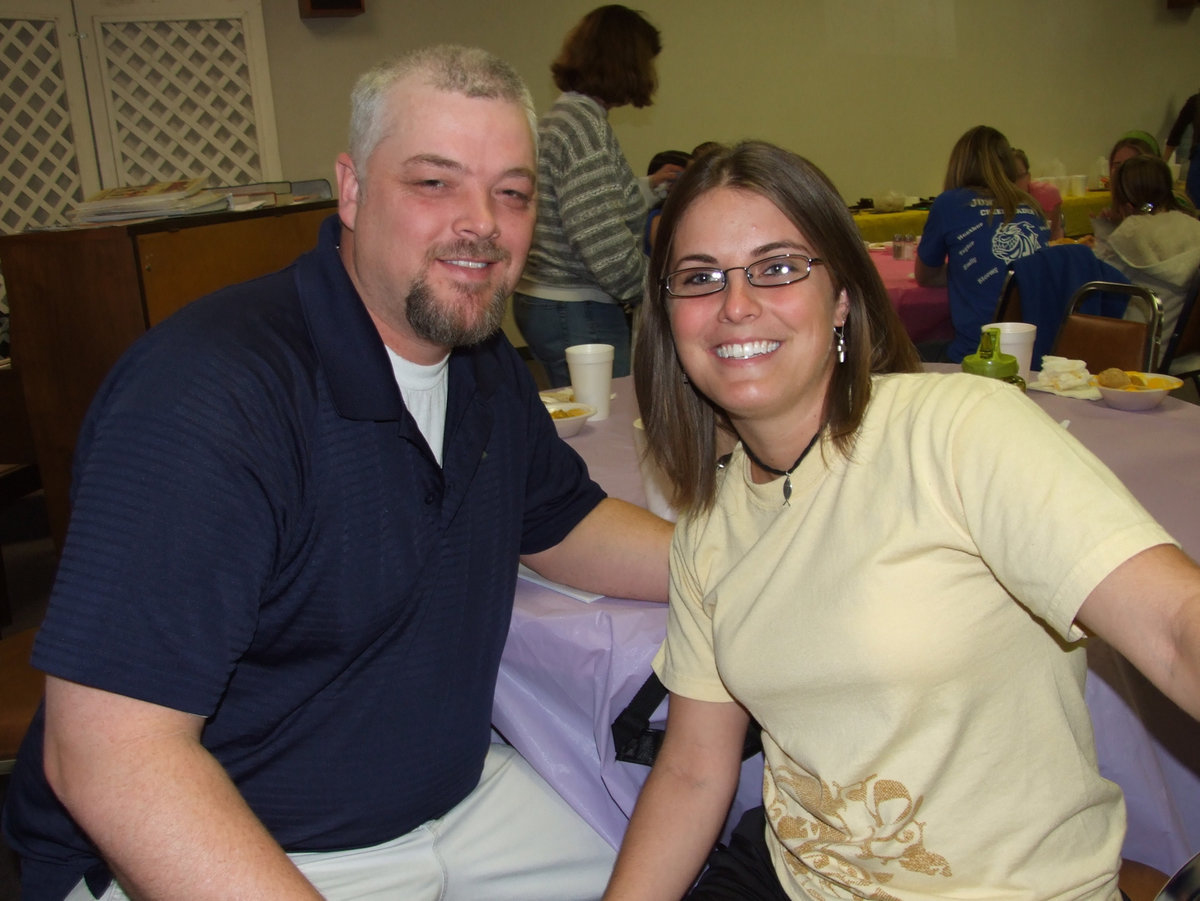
164, 198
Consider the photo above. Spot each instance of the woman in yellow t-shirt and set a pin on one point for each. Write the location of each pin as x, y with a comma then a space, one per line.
862, 579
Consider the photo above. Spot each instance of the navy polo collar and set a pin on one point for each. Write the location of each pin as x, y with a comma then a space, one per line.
352, 354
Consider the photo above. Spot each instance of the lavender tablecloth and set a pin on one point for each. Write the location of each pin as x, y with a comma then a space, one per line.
569, 667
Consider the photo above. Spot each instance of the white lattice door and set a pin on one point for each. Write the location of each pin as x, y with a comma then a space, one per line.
101, 93
179, 88
45, 130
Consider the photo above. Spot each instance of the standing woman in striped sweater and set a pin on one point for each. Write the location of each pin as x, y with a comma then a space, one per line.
586, 263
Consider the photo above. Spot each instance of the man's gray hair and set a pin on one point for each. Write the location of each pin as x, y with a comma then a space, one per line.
447, 67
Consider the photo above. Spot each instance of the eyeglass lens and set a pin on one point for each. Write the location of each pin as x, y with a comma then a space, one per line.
766, 273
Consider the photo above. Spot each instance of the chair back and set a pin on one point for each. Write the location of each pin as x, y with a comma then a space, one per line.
1186, 339
1104, 342
1009, 307
23, 686
1038, 289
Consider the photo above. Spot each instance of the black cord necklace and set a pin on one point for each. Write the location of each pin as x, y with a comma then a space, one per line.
786, 473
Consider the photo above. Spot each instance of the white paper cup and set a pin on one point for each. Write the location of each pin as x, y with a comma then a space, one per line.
591, 366
1078, 185
1017, 338
656, 484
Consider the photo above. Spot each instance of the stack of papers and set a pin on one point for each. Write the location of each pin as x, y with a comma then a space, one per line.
164, 198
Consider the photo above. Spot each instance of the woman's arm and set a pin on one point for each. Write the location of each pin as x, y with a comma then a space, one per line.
684, 803
1148, 608
1054, 218
930, 276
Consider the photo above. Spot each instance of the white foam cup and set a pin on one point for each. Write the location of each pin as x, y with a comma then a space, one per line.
591, 366
1017, 338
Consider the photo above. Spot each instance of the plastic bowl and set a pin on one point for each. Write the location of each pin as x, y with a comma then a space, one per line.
1158, 387
570, 424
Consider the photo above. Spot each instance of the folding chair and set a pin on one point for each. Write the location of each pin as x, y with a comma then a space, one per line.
1009, 307
1105, 342
1185, 884
1182, 357
1038, 289
23, 686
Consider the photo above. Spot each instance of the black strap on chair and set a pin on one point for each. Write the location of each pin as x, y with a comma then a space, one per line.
636, 742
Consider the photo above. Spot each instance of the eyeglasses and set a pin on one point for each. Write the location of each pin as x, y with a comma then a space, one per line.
773, 272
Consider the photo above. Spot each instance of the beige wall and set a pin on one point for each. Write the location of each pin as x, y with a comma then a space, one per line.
874, 91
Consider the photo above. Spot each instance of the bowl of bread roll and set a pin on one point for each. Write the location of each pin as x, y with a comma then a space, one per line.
1127, 390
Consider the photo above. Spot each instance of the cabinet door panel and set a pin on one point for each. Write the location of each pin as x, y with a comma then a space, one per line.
179, 266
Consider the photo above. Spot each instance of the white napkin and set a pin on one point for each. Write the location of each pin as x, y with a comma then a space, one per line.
1086, 392
1066, 378
524, 572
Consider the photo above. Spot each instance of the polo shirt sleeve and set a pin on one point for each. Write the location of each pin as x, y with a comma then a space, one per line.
181, 482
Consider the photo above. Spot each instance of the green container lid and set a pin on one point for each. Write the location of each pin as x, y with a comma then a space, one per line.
988, 360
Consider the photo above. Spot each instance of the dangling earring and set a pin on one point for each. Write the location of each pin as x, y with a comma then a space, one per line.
839, 331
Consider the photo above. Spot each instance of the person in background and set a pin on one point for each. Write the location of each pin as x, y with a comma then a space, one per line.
1132, 143
677, 160
586, 264
1157, 241
1046, 195
299, 505
652, 219
860, 579
1189, 114
977, 226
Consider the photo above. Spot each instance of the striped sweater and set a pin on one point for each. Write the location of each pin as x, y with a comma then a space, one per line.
587, 242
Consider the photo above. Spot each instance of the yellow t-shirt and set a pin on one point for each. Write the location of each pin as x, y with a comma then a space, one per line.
903, 632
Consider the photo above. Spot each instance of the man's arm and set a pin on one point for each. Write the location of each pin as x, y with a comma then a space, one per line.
162, 811
618, 549
1148, 608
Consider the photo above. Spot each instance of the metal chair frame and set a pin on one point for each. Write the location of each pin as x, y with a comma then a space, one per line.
1185, 340
1143, 338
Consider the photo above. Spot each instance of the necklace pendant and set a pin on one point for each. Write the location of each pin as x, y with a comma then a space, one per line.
787, 489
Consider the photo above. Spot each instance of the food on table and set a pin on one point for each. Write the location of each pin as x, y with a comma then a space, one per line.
1113, 378
568, 413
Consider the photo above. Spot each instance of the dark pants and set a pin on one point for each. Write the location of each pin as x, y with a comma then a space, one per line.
742, 871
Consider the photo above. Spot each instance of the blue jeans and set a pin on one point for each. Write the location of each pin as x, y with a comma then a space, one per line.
551, 326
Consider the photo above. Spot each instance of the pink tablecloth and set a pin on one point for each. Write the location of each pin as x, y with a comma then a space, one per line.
925, 312
569, 667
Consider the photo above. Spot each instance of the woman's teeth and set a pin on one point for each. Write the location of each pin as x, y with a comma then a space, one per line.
746, 351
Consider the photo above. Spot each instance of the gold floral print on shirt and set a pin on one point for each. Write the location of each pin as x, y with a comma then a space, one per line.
851, 834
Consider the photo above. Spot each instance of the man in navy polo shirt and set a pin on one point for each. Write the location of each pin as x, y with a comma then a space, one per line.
298, 508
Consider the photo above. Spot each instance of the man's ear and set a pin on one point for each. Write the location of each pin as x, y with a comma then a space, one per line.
349, 189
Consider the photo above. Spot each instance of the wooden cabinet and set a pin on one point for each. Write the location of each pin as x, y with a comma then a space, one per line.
80, 297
